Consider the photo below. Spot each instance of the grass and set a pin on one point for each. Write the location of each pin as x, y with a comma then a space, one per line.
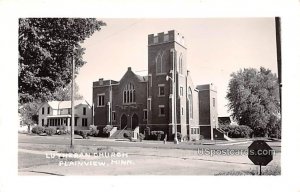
84, 149
271, 170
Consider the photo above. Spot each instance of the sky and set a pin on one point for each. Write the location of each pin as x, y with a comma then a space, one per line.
216, 47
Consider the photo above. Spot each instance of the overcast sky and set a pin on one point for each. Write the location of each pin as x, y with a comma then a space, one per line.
216, 47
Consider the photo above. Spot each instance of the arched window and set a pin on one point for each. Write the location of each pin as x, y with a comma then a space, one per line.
190, 98
180, 64
158, 62
129, 93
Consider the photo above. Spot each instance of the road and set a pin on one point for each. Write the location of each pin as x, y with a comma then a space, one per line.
146, 158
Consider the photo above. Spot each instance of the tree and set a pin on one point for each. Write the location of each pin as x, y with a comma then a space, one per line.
64, 93
254, 99
46, 48
28, 113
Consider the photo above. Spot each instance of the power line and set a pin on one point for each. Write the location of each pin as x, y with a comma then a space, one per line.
117, 32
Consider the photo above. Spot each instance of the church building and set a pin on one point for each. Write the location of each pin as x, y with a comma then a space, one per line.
149, 101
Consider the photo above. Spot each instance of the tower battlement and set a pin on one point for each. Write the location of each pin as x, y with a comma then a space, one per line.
163, 37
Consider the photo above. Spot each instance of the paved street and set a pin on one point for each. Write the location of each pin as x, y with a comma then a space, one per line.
39, 155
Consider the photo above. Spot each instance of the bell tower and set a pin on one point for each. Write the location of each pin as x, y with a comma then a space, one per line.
166, 50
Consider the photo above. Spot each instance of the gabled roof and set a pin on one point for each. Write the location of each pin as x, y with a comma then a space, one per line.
65, 104
138, 77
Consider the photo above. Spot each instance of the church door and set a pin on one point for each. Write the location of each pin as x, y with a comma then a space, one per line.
123, 121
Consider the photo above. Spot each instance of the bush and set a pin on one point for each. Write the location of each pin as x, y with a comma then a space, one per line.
62, 130
38, 130
50, 131
238, 131
179, 136
127, 135
76, 132
93, 132
106, 130
185, 138
156, 135
141, 137
84, 134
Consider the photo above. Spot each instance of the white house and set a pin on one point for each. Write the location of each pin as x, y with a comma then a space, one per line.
58, 114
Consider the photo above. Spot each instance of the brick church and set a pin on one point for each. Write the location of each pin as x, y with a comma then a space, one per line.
147, 101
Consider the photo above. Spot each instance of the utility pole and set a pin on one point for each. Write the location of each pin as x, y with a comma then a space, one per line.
72, 101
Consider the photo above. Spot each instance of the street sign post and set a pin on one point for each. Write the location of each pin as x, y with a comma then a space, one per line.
260, 153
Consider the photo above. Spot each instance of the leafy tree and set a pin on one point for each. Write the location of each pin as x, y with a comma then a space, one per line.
46, 48
64, 93
254, 100
28, 113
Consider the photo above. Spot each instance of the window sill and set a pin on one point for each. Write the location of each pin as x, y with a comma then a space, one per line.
129, 103
160, 95
160, 74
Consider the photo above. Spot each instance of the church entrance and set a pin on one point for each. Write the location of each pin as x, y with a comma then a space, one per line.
134, 121
123, 121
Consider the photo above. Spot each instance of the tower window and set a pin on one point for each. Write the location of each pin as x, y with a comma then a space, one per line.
84, 111
161, 90
180, 65
214, 102
101, 100
158, 61
161, 111
161, 56
43, 110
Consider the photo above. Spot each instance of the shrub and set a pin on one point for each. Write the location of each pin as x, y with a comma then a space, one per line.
62, 130
141, 137
179, 136
38, 130
201, 137
106, 130
156, 135
84, 134
50, 131
185, 138
93, 132
76, 132
127, 135
238, 131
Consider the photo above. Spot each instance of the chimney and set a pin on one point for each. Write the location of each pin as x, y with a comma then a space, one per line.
129, 68
101, 81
